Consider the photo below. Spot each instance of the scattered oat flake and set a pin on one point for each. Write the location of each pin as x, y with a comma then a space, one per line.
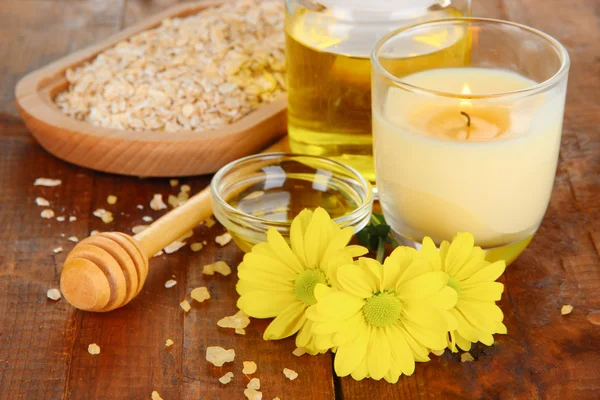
57, 250
200, 294
204, 242
94, 349
147, 218
73, 239
252, 394
160, 253
42, 202
218, 356
111, 199
173, 247
249, 368
169, 343
53, 294
299, 351
239, 320
290, 374
60, 218
71, 219
196, 247
466, 357
157, 202
254, 384
170, 283
47, 182
208, 269
185, 305
276, 398
594, 317
225, 379
210, 222
173, 182
173, 201
105, 216
140, 207
139, 228
156, 396
240, 331
566, 309
223, 239
94, 232
222, 268
185, 188
47, 214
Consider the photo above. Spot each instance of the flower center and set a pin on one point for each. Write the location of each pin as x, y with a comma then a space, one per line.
305, 285
382, 309
454, 284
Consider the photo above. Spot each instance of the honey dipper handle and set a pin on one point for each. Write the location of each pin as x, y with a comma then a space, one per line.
185, 217
175, 223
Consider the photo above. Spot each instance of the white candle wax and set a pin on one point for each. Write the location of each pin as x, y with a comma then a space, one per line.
437, 176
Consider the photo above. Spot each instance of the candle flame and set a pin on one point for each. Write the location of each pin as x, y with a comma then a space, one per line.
466, 89
465, 104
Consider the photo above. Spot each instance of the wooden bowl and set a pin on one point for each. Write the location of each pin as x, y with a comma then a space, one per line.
144, 153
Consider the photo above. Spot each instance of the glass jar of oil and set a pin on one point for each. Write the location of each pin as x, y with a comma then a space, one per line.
329, 43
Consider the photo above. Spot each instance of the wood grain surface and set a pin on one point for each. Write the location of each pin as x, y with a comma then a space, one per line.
43, 344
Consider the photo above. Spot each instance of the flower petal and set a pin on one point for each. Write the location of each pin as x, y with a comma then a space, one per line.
269, 266
374, 267
461, 342
444, 299
288, 322
487, 291
357, 280
283, 251
338, 306
378, 354
361, 372
430, 253
487, 274
434, 340
402, 354
348, 357
265, 304
475, 262
395, 266
317, 237
501, 328
422, 286
459, 252
477, 316
418, 350
424, 315
465, 329
297, 231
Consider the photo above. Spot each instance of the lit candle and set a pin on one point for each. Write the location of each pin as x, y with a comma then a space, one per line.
449, 164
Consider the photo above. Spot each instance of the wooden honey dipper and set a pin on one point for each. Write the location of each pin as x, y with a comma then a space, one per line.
107, 270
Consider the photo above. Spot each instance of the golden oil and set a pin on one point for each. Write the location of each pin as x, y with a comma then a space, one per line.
281, 203
329, 81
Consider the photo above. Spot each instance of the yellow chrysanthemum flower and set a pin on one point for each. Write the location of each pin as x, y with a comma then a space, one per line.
473, 278
278, 281
384, 317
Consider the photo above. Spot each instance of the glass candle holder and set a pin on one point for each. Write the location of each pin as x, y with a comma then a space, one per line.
328, 44
471, 147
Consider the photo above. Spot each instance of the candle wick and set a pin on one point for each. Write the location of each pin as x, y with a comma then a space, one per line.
468, 118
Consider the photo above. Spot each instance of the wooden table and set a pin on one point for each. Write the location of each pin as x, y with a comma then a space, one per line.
43, 344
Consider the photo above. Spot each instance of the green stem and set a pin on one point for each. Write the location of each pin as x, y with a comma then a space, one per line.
380, 250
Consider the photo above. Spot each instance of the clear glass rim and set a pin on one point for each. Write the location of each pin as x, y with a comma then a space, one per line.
539, 87
355, 214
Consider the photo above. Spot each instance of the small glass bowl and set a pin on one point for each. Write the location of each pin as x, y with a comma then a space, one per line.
268, 190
